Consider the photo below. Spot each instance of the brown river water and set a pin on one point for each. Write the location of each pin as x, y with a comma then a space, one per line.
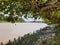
9, 31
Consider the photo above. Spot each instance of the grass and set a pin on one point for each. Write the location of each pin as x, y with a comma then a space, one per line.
3, 21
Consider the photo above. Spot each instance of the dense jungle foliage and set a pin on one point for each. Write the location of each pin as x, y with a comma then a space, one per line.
47, 9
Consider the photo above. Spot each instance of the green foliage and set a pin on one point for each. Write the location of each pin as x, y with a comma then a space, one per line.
57, 14
9, 43
47, 21
20, 7
44, 1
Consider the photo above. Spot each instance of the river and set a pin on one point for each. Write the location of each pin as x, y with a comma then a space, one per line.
9, 31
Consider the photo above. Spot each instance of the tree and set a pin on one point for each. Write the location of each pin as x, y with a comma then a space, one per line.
19, 41
2, 43
9, 43
43, 8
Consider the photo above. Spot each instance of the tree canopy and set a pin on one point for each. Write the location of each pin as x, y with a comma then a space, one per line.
47, 9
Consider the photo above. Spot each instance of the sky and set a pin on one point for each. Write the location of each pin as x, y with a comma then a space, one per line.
9, 31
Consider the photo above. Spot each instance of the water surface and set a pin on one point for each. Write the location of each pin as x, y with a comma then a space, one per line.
9, 30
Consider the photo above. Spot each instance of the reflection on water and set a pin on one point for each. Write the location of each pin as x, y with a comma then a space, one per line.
9, 30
